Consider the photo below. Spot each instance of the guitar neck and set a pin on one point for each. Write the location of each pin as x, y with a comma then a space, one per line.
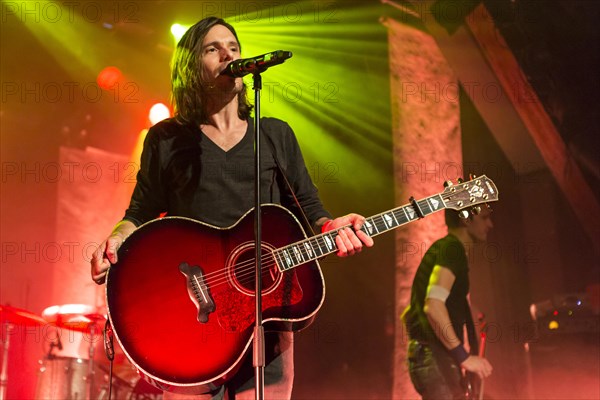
318, 246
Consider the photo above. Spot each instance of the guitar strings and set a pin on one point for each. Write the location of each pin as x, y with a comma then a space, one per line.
320, 242
247, 269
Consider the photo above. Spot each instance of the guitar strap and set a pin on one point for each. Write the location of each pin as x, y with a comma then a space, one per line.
287, 182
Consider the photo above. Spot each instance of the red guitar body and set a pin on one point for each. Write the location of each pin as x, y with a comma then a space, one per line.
181, 297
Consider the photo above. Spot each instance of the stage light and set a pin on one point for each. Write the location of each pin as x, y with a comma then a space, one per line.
108, 77
553, 325
158, 112
177, 30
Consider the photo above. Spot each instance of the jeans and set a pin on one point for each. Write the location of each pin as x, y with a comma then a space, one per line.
434, 373
279, 375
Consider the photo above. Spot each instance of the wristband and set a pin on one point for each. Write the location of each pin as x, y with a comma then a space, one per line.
459, 354
325, 226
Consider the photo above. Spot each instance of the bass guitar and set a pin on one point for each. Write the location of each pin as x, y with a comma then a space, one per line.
181, 296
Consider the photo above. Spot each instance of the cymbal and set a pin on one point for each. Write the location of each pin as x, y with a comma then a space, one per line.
17, 316
77, 317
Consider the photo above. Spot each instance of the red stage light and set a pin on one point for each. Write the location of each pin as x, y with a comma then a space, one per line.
108, 77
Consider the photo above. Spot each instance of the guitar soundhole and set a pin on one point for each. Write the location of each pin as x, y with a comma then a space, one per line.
240, 269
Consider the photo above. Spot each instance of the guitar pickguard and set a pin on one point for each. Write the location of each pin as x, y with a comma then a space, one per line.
236, 311
236, 300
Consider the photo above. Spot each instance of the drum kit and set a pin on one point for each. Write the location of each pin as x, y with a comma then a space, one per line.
72, 367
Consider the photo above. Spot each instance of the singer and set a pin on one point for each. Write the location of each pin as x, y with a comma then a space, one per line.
199, 164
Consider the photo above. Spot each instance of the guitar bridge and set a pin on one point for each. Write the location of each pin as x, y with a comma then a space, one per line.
197, 290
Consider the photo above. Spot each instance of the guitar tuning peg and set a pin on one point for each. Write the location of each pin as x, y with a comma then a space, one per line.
448, 183
487, 205
460, 180
476, 210
472, 176
464, 214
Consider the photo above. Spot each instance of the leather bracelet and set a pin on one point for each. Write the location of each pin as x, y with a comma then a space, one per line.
459, 354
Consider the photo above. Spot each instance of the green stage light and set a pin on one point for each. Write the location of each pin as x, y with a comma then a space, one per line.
334, 91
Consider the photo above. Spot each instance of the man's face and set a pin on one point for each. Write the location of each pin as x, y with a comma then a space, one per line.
479, 225
219, 48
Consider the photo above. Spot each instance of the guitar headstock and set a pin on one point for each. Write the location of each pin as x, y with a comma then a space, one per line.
463, 195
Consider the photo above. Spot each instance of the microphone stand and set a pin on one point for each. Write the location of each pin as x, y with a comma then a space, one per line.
258, 358
255, 66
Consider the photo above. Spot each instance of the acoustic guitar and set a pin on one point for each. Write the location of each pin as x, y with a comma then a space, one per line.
181, 296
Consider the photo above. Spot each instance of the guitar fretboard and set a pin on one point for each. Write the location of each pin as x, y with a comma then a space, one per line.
324, 244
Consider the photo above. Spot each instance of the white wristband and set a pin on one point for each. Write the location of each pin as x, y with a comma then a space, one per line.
437, 292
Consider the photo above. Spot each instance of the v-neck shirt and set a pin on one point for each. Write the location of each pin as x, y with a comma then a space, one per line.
184, 173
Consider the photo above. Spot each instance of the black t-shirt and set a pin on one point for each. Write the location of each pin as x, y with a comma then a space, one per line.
447, 252
184, 173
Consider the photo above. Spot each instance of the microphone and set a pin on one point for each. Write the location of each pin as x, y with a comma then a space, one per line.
258, 64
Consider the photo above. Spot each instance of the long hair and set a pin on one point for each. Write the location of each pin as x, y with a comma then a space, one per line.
187, 87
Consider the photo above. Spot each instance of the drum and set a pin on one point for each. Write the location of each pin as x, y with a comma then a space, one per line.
121, 389
62, 378
144, 391
128, 385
